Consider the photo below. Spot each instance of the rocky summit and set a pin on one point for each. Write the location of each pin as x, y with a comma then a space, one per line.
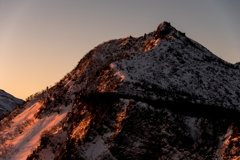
158, 96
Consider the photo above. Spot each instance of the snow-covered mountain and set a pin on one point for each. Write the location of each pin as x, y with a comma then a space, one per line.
8, 103
158, 96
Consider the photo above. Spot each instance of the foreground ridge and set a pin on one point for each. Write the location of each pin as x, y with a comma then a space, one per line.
158, 96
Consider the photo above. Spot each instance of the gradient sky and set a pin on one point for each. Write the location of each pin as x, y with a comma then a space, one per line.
42, 40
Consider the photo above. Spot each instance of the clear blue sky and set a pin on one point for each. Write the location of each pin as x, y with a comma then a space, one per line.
42, 40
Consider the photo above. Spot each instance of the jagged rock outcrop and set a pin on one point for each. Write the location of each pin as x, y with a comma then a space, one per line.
163, 30
237, 64
159, 96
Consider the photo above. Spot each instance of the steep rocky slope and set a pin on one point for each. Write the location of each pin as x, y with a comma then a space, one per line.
159, 96
8, 103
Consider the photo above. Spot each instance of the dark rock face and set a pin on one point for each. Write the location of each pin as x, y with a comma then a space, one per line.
163, 29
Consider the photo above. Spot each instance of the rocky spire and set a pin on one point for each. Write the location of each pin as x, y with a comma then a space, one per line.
163, 29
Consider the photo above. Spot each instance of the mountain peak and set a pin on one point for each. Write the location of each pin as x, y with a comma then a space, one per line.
158, 96
164, 29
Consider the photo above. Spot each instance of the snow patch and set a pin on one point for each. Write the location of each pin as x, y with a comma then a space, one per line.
190, 122
24, 143
97, 148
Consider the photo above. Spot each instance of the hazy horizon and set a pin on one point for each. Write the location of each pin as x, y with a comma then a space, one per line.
41, 41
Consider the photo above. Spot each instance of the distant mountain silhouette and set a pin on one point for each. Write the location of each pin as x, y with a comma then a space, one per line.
8, 103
